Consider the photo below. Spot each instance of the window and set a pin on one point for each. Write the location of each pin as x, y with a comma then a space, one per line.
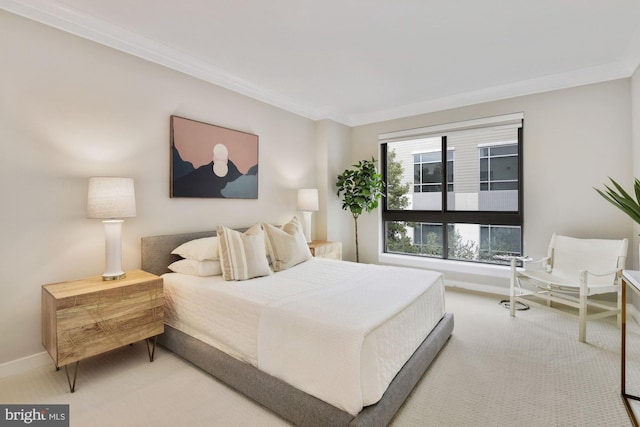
480, 213
428, 238
499, 167
499, 240
427, 170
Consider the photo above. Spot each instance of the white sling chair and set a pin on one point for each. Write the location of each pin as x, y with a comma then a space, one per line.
573, 270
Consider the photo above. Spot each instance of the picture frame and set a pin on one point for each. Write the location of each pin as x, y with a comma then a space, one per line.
210, 161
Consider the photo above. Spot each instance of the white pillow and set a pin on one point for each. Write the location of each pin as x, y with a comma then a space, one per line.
286, 245
199, 249
243, 255
197, 268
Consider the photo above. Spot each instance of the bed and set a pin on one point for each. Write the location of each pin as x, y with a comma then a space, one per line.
264, 379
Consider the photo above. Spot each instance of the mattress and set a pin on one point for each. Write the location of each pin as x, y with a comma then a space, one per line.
229, 316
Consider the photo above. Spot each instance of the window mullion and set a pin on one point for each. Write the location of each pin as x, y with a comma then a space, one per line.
445, 196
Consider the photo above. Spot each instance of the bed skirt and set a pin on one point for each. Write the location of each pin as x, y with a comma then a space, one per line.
296, 406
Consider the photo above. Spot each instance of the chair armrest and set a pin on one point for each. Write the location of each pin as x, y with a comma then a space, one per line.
617, 273
584, 274
542, 262
608, 273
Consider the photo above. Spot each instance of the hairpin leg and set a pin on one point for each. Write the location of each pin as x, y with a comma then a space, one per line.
72, 386
151, 350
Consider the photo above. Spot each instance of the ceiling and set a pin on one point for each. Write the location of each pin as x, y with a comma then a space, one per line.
363, 61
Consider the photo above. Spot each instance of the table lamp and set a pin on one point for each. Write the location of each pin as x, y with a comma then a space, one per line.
307, 203
109, 199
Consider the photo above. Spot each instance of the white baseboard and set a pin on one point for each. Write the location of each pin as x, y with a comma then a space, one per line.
25, 364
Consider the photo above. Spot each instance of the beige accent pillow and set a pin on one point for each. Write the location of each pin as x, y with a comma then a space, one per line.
243, 255
199, 249
286, 245
192, 267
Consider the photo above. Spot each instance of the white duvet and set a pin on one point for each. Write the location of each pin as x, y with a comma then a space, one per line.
339, 331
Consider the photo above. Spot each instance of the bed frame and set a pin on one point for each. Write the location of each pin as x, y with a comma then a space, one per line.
285, 400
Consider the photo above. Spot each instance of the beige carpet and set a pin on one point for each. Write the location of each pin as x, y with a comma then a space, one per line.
494, 371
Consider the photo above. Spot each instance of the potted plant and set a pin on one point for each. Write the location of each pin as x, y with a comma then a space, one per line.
361, 188
623, 200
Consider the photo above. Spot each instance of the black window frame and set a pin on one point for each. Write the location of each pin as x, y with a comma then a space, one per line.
447, 217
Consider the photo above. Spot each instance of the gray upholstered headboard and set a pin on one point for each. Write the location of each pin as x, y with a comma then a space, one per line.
156, 250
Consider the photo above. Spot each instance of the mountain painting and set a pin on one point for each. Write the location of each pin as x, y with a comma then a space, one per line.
212, 161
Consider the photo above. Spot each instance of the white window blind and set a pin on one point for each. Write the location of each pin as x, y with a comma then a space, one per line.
505, 121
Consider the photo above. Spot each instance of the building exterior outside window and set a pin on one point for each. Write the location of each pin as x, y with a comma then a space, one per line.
482, 174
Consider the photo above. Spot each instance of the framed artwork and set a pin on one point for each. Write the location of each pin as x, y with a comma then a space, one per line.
212, 161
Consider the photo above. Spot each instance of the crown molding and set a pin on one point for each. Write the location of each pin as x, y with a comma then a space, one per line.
574, 78
69, 20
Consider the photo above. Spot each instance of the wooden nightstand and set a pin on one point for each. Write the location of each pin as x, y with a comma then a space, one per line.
325, 249
87, 317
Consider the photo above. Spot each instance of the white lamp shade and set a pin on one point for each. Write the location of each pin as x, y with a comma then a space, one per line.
308, 199
111, 197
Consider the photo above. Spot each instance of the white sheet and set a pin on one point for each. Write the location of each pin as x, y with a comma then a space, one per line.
315, 340
228, 316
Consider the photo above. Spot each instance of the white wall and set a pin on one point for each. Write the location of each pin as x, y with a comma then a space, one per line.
71, 109
573, 140
333, 157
